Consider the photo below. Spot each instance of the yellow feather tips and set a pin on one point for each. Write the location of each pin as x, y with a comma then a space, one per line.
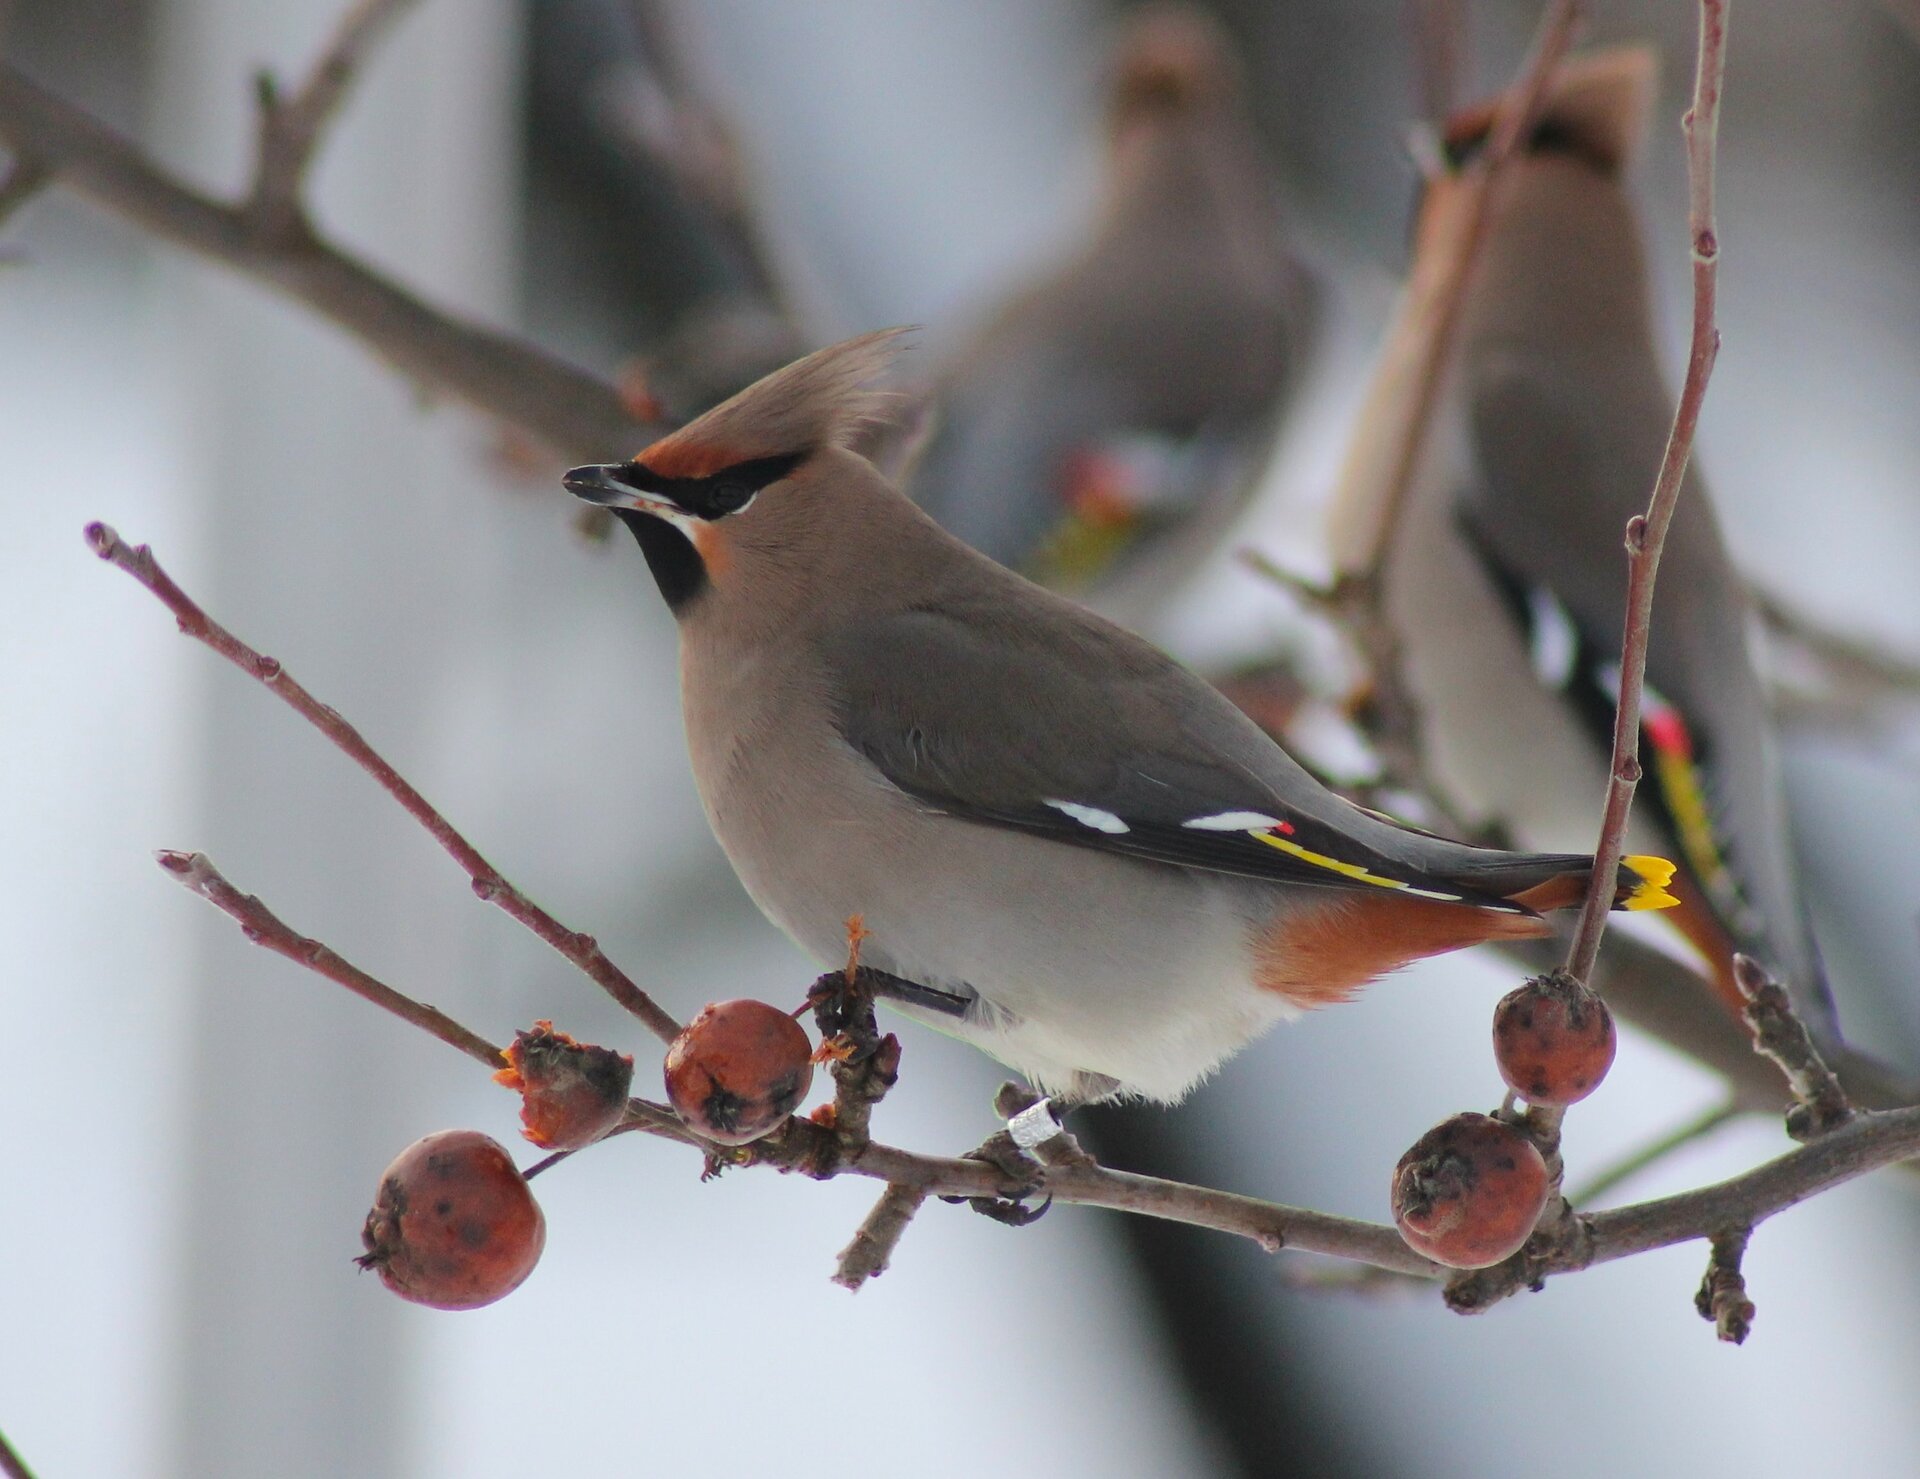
1348, 870
1650, 892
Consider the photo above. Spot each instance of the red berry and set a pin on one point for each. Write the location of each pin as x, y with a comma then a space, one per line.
738, 1070
570, 1093
1553, 1039
454, 1225
1469, 1192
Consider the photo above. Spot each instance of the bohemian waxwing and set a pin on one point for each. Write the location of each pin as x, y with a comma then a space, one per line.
1088, 862
1502, 572
1100, 430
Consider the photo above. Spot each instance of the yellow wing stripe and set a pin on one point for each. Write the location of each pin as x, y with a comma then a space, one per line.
1654, 874
1686, 800
1345, 870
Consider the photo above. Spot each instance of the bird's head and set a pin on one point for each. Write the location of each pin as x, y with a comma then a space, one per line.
719, 492
1593, 121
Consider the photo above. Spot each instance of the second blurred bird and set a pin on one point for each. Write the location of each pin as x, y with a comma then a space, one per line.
1100, 429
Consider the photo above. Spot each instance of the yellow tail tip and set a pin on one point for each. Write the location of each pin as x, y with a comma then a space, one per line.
1652, 876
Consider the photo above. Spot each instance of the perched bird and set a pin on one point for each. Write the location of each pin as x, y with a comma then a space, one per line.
1100, 429
1084, 859
1502, 571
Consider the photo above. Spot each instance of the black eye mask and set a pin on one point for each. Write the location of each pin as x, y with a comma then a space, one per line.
716, 495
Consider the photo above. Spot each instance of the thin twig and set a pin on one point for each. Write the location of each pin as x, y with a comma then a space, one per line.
1655, 1151
488, 882
1647, 534
290, 127
1851, 678
1397, 416
871, 1250
26, 177
1778, 1033
562, 407
1440, 55
11, 1464
1401, 401
261, 925
1722, 1297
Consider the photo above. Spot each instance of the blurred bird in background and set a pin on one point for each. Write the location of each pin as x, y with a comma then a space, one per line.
1496, 580
1101, 428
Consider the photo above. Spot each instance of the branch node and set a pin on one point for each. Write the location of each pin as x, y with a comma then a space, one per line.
1722, 1296
865, 1064
1820, 1103
871, 1251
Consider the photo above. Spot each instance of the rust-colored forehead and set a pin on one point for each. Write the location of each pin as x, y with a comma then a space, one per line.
677, 456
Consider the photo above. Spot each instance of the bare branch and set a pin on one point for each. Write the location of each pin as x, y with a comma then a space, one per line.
26, 177
1778, 1033
1646, 534
865, 1064
1848, 679
11, 1464
1440, 54
290, 128
488, 882
564, 408
1722, 1297
871, 1250
1655, 1151
196, 872
1865, 1143
1398, 413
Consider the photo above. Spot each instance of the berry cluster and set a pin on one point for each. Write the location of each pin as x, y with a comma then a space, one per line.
454, 1224
1471, 1189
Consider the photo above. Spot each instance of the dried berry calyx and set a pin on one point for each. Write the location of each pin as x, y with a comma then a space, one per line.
738, 1070
1469, 1192
1553, 1040
454, 1224
571, 1093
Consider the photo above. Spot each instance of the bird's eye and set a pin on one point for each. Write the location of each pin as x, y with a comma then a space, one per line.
728, 498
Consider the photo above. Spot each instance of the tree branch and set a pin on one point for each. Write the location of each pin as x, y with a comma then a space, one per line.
290, 128
1560, 1235
1398, 412
11, 1464
1722, 1297
1778, 1033
1864, 1143
195, 871
1647, 533
1654, 1151
871, 1250
573, 412
488, 882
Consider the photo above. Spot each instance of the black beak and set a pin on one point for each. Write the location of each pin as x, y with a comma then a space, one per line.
597, 484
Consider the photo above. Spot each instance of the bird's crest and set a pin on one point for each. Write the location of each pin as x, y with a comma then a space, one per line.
822, 400
1170, 59
1598, 108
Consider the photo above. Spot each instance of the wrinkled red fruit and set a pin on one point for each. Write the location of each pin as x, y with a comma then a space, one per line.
1553, 1039
571, 1093
1469, 1192
454, 1225
738, 1070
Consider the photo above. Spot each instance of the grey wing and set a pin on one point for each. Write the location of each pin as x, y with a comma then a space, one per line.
1559, 474
1094, 739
